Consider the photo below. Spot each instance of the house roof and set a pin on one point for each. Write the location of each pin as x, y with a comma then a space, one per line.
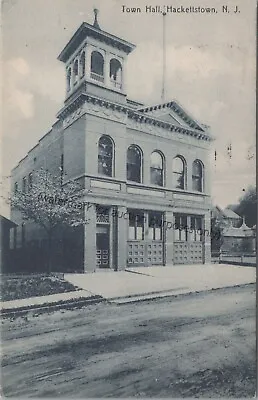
243, 231
7, 221
228, 213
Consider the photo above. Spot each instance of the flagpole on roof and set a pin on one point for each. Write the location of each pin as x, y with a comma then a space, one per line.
229, 151
164, 57
215, 159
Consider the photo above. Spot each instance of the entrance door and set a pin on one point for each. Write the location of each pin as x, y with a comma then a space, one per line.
102, 246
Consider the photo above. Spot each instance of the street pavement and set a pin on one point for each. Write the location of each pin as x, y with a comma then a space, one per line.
199, 345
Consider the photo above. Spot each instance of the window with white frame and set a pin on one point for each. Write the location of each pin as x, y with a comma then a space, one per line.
136, 225
180, 228
134, 164
97, 66
68, 79
82, 65
179, 173
75, 72
105, 156
157, 169
197, 176
195, 230
155, 231
115, 73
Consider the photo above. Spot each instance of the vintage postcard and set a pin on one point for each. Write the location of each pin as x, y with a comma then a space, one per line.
128, 199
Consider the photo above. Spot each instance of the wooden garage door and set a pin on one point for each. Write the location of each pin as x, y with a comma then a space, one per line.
188, 253
144, 253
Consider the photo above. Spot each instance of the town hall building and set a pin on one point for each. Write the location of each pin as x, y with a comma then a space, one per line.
144, 169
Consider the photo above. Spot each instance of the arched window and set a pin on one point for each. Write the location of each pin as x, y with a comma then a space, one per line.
134, 164
197, 176
105, 156
97, 66
156, 169
82, 64
75, 72
115, 73
68, 79
179, 175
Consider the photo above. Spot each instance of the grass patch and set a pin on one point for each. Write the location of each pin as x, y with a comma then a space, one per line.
20, 287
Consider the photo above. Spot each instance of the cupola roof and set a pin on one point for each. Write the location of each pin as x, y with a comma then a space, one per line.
94, 31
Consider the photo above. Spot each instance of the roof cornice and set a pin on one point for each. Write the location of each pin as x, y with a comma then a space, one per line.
173, 105
132, 113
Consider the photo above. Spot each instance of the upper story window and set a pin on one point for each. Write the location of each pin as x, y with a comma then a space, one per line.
30, 179
82, 65
105, 156
68, 79
115, 73
197, 176
134, 164
75, 72
97, 66
179, 175
24, 184
16, 187
156, 169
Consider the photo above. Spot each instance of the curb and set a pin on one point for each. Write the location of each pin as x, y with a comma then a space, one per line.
120, 301
46, 307
153, 293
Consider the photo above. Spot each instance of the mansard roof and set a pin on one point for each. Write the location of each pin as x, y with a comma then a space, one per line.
85, 30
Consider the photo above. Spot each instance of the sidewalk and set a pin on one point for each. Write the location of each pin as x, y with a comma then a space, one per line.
135, 284
159, 281
46, 301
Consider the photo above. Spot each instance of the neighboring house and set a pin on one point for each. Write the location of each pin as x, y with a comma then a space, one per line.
5, 226
226, 216
145, 169
239, 245
238, 240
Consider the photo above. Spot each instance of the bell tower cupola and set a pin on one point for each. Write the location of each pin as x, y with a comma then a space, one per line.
95, 62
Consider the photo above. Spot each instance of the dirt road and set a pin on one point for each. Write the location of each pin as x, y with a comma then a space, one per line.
200, 345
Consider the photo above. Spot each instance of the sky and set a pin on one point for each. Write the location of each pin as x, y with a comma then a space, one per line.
210, 70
